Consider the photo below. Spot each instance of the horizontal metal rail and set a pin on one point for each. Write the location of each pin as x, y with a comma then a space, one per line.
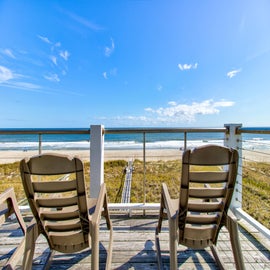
258, 130
242, 130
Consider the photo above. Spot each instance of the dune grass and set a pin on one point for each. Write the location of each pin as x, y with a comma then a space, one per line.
256, 183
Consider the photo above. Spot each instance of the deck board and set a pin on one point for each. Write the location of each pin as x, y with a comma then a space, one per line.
134, 248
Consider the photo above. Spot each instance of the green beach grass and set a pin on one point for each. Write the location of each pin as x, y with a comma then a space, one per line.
256, 183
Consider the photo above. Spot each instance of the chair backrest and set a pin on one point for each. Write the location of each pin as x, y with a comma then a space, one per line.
55, 189
207, 185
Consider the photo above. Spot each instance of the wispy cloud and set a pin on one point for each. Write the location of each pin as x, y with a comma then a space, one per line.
111, 73
25, 85
8, 52
187, 66
5, 74
159, 87
52, 77
64, 54
53, 59
9, 79
58, 56
82, 21
105, 76
186, 112
233, 73
45, 39
109, 50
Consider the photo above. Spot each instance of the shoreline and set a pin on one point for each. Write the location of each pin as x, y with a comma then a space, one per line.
10, 156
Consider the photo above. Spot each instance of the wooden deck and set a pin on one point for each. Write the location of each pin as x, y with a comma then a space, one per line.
134, 247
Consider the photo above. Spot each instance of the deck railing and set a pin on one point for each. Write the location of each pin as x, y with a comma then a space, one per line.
233, 134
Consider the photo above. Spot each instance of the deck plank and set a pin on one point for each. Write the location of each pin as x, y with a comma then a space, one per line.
134, 248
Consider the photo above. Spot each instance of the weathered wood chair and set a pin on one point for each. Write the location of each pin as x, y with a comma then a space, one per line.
64, 214
206, 188
9, 207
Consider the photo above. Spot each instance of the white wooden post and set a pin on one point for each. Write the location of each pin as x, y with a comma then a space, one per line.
96, 159
234, 140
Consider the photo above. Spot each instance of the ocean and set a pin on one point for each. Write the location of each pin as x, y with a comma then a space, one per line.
126, 141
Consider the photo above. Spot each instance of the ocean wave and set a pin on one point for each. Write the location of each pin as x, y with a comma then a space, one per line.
118, 145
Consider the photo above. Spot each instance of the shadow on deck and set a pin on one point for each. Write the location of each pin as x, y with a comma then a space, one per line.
134, 247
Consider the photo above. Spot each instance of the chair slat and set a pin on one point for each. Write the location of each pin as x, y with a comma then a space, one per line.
197, 233
57, 202
67, 238
53, 165
205, 207
207, 193
202, 219
64, 225
208, 177
54, 186
211, 155
59, 215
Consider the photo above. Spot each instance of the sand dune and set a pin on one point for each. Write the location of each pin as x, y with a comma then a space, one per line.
150, 155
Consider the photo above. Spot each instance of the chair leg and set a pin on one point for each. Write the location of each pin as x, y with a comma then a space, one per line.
95, 247
160, 266
232, 227
109, 252
217, 258
31, 237
18, 253
173, 243
161, 213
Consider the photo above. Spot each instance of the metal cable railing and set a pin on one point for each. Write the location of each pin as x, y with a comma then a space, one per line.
255, 168
250, 143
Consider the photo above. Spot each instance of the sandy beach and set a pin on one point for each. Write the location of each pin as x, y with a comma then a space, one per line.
150, 155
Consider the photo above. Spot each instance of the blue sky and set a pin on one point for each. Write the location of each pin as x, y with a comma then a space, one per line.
129, 63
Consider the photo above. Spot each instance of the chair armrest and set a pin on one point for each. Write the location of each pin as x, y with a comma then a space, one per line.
230, 216
101, 200
171, 205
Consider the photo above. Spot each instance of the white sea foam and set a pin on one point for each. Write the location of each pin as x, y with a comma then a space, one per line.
118, 145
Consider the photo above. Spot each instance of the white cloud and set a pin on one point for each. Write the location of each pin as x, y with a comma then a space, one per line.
173, 114
185, 112
187, 66
8, 53
105, 75
52, 77
159, 87
45, 39
64, 54
5, 74
25, 85
109, 50
83, 21
8, 79
53, 59
57, 44
233, 73
112, 72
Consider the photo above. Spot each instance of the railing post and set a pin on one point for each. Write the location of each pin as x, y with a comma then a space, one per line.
144, 170
234, 140
96, 159
39, 144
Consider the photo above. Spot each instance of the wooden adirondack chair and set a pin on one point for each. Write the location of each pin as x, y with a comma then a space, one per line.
64, 214
195, 219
